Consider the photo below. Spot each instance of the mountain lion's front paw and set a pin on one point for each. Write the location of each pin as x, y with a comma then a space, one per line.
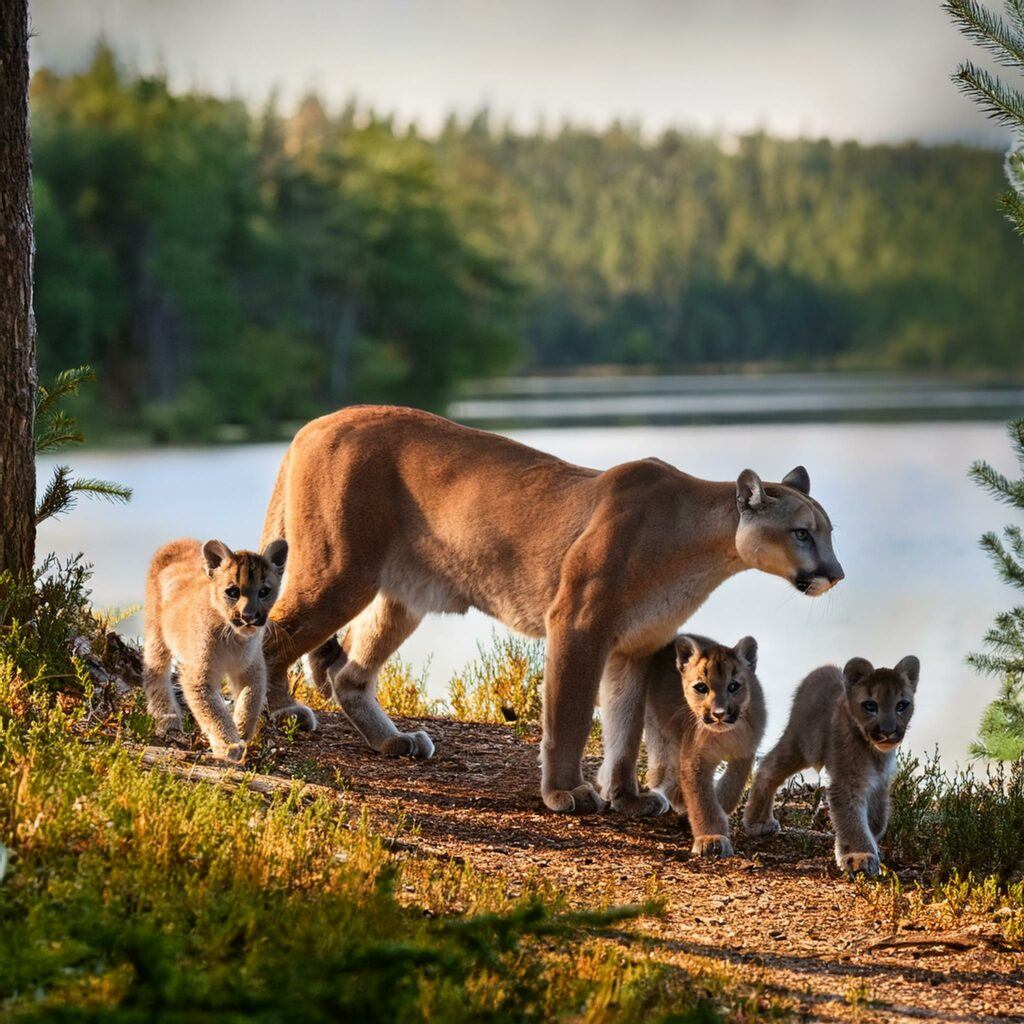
866, 864
712, 846
167, 726
408, 744
761, 828
640, 805
581, 800
234, 753
304, 716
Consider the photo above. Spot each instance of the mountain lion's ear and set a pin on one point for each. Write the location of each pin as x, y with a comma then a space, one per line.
276, 552
215, 552
749, 491
746, 651
910, 669
857, 669
798, 479
686, 648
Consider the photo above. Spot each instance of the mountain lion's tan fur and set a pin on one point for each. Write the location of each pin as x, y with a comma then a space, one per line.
848, 723
393, 513
705, 705
207, 607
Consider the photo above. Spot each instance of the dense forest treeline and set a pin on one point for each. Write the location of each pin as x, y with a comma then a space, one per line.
219, 265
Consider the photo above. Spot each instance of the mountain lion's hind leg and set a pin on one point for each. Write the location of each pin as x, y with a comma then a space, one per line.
623, 696
373, 637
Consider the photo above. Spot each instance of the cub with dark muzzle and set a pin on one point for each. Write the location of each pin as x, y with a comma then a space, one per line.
849, 723
704, 706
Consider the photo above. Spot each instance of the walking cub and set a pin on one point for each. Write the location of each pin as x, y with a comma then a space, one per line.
207, 607
704, 706
850, 723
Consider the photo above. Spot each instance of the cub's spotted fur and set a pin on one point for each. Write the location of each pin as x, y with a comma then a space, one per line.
704, 706
207, 607
850, 723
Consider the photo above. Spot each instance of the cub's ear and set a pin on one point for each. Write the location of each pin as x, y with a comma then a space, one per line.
910, 669
686, 648
798, 479
215, 552
749, 491
857, 669
276, 552
746, 651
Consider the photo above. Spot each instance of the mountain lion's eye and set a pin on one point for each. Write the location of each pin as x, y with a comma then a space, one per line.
870, 707
734, 686
700, 687
802, 535
901, 707
264, 591
233, 592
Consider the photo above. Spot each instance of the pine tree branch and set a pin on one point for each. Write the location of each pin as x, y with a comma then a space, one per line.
1006, 565
1015, 12
57, 497
1011, 492
58, 431
66, 384
1013, 209
1005, 42
103, 489
1000, 102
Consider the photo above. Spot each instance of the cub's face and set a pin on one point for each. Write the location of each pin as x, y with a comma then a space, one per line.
881, 700
243, 584
716, 679
784, 531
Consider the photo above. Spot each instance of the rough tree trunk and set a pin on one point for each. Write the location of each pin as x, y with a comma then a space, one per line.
17, 323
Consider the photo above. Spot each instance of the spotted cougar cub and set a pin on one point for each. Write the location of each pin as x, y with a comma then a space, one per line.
704, 706
207, 607
850, 723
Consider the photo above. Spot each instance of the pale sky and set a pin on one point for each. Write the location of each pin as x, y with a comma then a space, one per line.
865, 69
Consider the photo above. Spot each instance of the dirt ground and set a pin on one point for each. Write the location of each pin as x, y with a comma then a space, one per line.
776, 915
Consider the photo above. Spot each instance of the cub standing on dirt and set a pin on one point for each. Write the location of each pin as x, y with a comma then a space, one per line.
704, 706
850, 723
207, 607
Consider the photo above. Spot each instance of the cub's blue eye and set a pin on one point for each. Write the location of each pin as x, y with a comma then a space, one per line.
802, 535
233, 593
264, 591
700, 687
901, 707
734, 686
870, 707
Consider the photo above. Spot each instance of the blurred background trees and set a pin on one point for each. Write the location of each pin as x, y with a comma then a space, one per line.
222, 267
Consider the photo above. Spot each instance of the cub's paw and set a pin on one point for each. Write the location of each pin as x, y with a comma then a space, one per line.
712, 846
167, 726
581, 800
866, 864
409, 744
304, 716
640, 805
234, 753
756, 829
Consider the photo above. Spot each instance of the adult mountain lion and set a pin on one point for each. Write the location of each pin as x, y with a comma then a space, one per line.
392, 513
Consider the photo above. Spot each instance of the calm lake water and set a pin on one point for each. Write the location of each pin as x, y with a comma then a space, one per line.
907, 521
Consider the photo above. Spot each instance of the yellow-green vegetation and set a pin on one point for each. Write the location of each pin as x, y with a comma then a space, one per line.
960, 821
503, 684
402, 690
953, 904
128, 895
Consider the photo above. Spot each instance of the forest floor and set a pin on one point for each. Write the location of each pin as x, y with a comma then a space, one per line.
777, 917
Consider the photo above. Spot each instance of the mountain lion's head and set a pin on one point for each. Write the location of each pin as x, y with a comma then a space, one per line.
784, 531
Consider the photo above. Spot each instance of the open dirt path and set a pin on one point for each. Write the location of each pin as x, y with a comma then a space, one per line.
774, 916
